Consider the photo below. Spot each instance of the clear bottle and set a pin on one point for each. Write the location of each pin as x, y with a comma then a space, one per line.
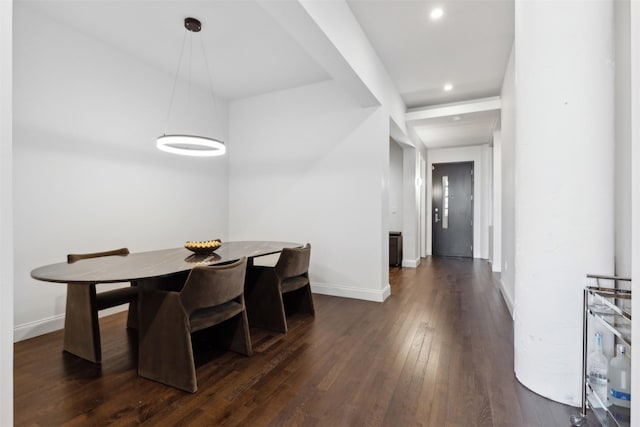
620, 379
597, 370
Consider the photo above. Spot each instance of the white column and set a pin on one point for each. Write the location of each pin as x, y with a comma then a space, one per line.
564, 206
623, 163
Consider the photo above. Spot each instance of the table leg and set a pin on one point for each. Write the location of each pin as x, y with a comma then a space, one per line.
132, 316
81, 329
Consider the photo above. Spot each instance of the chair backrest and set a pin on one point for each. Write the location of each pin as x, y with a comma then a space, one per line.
214, 285
71, 258
293, 262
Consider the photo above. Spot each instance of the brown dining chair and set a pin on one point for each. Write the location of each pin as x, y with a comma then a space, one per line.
81, 327
271, 292
211, 295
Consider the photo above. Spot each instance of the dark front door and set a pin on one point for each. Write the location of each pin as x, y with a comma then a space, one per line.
452, 216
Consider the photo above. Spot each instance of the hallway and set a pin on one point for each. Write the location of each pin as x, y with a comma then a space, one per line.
470, 379
438, 352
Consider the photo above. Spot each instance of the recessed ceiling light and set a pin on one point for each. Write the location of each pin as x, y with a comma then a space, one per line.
447, 87
436, 13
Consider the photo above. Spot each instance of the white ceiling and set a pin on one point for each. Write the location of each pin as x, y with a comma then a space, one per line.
458, 130
468, 47
249, 53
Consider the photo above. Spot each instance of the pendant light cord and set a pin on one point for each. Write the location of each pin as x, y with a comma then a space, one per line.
189, 72
175, 82
209, 79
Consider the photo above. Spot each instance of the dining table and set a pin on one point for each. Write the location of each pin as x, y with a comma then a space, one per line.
164, 268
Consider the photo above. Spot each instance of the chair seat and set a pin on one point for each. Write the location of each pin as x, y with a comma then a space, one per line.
115, 297
207, 317
294, 283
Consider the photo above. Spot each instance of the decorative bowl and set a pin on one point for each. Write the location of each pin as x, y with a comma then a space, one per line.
203, 247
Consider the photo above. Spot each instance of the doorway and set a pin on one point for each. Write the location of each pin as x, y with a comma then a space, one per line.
452, 204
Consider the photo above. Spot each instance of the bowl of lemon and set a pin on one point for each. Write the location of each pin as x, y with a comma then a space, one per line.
203, 247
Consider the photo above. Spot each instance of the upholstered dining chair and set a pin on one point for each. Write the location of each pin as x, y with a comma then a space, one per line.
210, 296
271, 292
81, 327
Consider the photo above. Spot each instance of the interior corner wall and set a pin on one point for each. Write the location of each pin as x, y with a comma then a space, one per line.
395, 186
310, 165
337, 21
6, 215
480, 183
508, 130
87, 176
623, 139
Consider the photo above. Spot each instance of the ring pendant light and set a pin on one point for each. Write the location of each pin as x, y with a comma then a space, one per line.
185, 144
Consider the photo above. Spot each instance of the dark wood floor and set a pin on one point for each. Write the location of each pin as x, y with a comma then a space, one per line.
438, 352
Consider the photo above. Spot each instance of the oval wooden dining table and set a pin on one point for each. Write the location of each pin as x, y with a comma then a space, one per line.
150, 269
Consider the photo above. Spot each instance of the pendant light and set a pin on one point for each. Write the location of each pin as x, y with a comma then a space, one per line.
184, 144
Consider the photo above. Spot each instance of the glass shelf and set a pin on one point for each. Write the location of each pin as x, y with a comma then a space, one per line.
608, 416
611, 308
616, 318
616, 324
601, 301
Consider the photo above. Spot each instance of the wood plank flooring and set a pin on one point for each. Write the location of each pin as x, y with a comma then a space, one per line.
438, 352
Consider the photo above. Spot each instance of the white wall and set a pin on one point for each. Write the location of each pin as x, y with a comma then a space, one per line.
395, 186
480, 183
486, 202
623, 139
411, 211
310, 165
424, 214
635, 190
496, 257
87, 175
332, 36
508, 131
6, 216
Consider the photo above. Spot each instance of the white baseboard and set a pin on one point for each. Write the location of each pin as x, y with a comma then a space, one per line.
411, 263
350, 292
508, 298
38, 327
53, 323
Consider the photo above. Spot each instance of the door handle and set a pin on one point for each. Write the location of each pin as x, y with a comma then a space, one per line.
436, 219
